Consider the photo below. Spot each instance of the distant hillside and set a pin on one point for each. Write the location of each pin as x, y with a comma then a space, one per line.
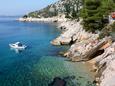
68, 7
93, 12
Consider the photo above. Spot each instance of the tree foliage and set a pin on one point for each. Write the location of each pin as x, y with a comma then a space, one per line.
25, 16
72, 9
94, 13
33, 14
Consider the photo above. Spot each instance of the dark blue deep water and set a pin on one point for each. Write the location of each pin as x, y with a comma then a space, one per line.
40, 62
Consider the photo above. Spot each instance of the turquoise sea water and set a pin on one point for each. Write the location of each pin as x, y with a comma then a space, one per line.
40, 63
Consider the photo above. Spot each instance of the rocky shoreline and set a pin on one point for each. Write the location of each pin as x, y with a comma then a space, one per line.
87, 47
50, 19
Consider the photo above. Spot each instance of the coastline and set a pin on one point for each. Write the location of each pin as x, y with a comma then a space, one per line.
84, 47
50, 19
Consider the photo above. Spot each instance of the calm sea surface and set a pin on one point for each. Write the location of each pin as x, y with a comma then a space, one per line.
40, 63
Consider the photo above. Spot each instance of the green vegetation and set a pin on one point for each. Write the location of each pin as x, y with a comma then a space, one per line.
68, 7
67, 10
113, 25
95, 13
105, 31
72, 9
74, 13
25, 16
49, 11
33, 14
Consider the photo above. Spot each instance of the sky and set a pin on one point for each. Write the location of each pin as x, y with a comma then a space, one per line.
21, 7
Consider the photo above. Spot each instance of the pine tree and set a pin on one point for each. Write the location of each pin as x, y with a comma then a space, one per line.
74, 13
67, 10
93, 13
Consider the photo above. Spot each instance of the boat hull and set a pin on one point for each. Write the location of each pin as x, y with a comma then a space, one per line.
16, 47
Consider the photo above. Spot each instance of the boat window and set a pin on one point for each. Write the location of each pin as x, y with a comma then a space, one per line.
19, 44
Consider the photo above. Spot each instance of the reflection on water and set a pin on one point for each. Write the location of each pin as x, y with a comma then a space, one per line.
17, 50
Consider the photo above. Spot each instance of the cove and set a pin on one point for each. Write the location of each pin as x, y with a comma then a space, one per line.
40, 63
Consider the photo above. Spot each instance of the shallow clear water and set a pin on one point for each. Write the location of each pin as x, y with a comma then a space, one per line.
40, 62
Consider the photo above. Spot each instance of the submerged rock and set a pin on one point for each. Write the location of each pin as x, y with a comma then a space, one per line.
69, 77
58, 82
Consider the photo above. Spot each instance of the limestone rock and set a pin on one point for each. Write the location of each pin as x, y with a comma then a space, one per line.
106, 66
74, 32
55, 42
86, 49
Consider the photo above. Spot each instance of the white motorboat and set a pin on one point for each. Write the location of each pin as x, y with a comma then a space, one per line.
17, 45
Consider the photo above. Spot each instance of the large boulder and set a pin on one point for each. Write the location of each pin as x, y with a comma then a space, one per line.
61, 41
87, 49
55, 42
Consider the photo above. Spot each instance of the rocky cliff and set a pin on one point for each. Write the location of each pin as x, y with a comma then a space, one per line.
67, 7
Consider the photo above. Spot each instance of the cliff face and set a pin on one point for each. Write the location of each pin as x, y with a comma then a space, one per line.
66, 7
